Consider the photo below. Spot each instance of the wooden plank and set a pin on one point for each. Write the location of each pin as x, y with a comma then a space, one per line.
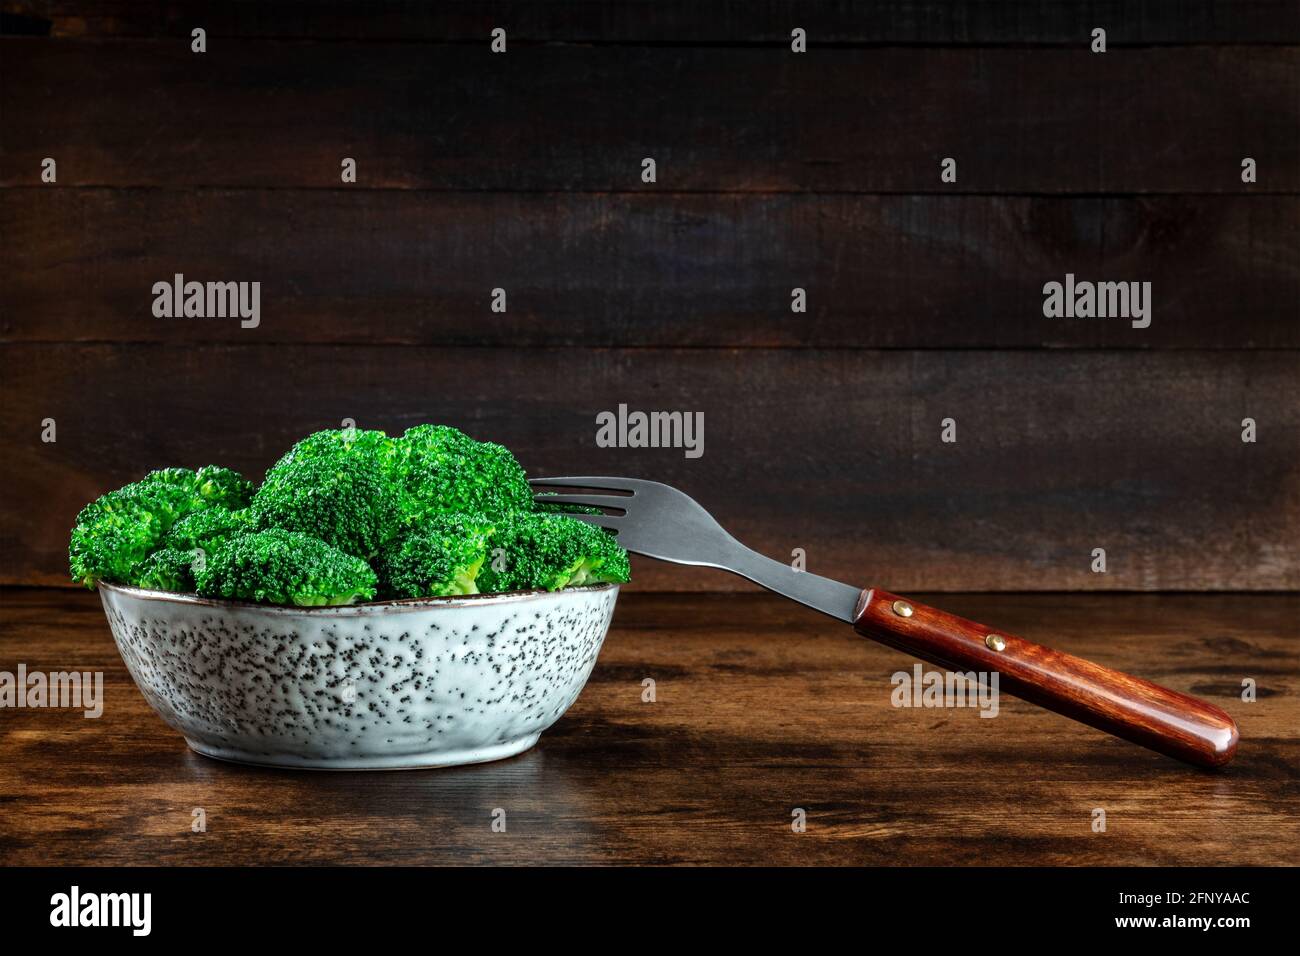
574, 117
632, 270
751, 720
685, 21
835, 452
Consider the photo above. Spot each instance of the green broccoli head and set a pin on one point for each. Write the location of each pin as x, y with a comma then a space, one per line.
284, 567
447, 472
167, 569
343, 487
221, 486
440, 557
117, 531
549, 551
208, 529
436, 511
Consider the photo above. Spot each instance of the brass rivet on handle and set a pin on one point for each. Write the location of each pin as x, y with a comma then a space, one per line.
902, 609
994, 642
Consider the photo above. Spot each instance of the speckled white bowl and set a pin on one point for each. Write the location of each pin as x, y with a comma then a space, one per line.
426, 683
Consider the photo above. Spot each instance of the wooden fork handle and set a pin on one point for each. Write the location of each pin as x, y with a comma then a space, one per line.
1145, 713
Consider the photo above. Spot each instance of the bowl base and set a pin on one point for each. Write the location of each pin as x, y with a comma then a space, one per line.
412, 761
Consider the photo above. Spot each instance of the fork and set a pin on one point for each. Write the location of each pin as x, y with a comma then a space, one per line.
660, 522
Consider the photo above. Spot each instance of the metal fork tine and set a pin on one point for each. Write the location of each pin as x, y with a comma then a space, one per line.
613, 522
663, 522
615, 484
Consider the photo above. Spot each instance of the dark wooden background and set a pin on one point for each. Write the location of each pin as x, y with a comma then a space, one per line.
775, 170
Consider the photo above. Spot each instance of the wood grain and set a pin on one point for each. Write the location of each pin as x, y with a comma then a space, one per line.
1166, 721
633, 270
761, 708
1063, 22
254, 113
835, 452
775, 171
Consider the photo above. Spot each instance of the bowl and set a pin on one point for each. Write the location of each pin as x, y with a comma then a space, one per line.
433, 682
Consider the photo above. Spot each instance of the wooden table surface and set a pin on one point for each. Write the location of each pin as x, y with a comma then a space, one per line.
760, 708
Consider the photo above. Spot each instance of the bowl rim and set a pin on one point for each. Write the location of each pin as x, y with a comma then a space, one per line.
351, 610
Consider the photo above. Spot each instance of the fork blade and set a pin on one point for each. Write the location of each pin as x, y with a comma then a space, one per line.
835, 598
609, 522
616, 484
663, 522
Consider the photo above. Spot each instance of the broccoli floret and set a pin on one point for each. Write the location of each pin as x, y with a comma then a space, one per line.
343, 487
548, 551
117, 531
561, 508
208, 529
437, 513
221, 486
285, 567
440, 557
167, 569
447, 472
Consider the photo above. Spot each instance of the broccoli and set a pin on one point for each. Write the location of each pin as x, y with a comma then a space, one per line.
440, 557
343, 487
221, 486
285, 567
208, 529
447, 472
550, 551
167, 569
117, 531
562, 508
435, 511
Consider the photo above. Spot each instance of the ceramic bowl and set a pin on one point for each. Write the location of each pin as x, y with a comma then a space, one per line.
433, 682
